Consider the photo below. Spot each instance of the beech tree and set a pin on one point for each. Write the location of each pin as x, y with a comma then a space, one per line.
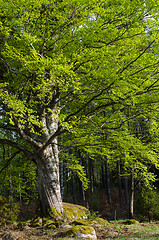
72, 68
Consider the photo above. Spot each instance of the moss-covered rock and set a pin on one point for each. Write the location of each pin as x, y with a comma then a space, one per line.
72, 211
38, 222
102, 221
55, 214
52, 224
130, 221
49, 224
81, 231
80, 222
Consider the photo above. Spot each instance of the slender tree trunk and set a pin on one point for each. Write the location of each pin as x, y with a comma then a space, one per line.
91, 175
61, 180
126, 186
132, 190
11, 185
67, 182
120, 186
48, 180
82, 193
73, 189
102, 176
20, 194
10, 177
81, 183
108, 187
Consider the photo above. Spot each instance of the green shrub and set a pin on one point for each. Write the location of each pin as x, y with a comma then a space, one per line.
8, 211
148, 204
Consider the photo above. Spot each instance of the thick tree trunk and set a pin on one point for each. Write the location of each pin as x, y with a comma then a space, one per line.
48, 180
48, 183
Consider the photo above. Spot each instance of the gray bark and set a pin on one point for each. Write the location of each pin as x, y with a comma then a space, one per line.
45, 155
48, 180
47, 160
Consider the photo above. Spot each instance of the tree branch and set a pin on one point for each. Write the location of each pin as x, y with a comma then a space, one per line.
8, 161
21, 132
19, 147
23, 135
130, 63
87, 103
50, 140
8, 127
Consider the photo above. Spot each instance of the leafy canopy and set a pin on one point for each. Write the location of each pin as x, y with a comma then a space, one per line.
92, 65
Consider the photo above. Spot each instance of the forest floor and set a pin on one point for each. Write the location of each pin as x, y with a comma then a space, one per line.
116, 230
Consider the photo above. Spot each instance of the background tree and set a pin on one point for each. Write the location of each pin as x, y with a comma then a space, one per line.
147, 203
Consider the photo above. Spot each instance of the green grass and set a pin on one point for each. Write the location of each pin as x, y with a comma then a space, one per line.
126, 232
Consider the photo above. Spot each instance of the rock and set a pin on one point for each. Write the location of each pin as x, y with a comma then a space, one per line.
43, 233
81, 231
87, 236
72, 212
66, 226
